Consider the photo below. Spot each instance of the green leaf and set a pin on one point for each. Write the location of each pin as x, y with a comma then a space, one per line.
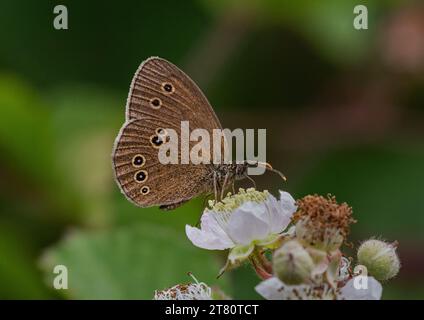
129, 262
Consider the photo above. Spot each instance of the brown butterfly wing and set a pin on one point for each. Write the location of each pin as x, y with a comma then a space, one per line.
185, 102
167, 184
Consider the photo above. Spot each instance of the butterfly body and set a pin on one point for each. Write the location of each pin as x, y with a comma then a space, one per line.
226, 174
219, 179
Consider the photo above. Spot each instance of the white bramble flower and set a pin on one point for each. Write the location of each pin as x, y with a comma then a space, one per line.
243, 221
274, 289
322, 226
190, 291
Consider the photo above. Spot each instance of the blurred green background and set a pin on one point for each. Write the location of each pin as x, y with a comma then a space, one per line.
343, 109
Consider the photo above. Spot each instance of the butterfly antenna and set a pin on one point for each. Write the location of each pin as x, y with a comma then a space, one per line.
270, 168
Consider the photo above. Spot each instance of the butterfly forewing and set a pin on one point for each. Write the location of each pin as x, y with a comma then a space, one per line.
179, 97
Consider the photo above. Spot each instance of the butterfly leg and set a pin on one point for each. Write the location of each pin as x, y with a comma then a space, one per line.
215, 187
253, 181
224, 186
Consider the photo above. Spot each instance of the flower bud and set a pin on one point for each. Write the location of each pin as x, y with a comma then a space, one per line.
292, 264
380, 258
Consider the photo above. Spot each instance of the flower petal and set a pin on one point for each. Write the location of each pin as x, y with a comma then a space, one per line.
270, 289
211, 236
248, 223
279, 219
288, 204
372, 291
280, 211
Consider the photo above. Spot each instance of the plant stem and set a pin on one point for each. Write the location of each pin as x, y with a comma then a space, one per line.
261, 265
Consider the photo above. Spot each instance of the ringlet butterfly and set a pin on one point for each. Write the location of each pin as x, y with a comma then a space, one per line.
161, 96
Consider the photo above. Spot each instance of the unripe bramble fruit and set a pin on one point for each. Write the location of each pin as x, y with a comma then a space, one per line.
292, 264
380, 258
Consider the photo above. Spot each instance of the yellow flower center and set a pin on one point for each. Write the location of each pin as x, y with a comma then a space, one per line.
233, 201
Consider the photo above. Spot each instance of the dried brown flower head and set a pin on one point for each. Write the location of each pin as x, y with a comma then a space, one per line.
322, 222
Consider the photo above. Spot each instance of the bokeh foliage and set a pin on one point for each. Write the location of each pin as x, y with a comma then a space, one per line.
62, 97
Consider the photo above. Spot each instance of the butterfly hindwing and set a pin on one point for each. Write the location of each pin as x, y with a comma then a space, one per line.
163, 184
